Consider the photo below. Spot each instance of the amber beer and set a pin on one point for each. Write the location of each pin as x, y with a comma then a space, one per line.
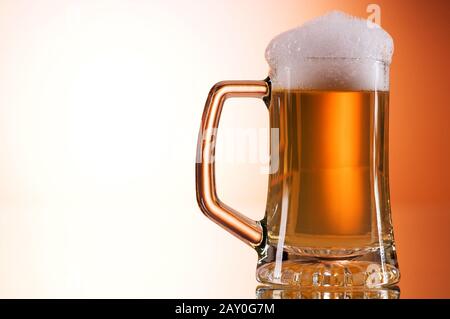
328, 143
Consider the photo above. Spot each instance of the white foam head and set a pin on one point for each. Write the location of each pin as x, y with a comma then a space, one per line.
334, 51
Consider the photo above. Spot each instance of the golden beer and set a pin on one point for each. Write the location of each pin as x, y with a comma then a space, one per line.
328, 143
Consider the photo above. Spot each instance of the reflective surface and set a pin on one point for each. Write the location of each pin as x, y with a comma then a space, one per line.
274, 292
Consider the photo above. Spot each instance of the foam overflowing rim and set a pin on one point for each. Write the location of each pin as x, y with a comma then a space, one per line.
315, 51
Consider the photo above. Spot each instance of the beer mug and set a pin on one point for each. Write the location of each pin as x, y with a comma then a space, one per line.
328, 220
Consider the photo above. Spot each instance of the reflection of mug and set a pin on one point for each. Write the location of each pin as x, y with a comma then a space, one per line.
272, 292
327, 218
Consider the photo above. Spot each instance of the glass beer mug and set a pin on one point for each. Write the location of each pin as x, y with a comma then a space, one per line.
328, 220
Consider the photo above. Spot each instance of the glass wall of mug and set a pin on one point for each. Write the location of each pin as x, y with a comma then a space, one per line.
328, 215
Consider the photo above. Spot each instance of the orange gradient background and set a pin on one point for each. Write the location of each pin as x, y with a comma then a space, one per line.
100, 105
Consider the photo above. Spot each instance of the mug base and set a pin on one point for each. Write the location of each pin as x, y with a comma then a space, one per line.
374, 268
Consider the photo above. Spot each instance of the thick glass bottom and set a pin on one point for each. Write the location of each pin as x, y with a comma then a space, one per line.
368, 268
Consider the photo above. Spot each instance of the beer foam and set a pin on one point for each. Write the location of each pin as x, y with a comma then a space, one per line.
334, 51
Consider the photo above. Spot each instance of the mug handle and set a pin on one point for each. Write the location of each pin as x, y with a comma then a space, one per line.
244, 228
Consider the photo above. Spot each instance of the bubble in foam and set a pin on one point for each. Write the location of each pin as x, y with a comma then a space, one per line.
334, 51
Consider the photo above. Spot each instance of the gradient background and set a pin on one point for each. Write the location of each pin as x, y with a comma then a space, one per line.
100, 105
